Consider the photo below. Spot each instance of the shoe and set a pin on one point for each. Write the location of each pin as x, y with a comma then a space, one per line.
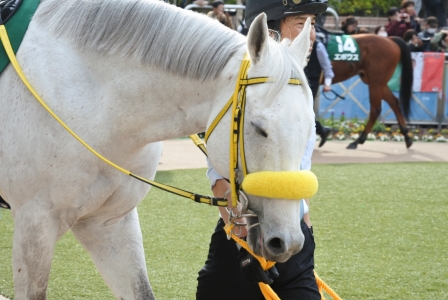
324, 135
4, 204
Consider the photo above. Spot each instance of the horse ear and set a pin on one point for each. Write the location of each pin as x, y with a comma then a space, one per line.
301, 44
257, 38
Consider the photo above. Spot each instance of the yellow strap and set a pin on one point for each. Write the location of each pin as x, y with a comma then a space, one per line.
199, 143
295, 81
218, 118
323, 286
14, 62
266, 290
251, 81
198, 198
243, 82
233, 160
241, 141
258, 80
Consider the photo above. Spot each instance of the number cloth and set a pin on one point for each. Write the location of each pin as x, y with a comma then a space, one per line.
343, 48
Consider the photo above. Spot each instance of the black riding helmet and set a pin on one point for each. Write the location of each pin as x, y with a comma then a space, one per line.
276, 10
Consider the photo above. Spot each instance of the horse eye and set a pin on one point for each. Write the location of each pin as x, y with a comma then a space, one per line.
259, 130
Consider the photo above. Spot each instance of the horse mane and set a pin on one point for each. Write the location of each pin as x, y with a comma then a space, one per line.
182, 42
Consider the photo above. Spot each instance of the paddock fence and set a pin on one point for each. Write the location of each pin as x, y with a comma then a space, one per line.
427, 108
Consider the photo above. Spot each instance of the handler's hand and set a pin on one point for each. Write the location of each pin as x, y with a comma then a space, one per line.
327, 88
252, 271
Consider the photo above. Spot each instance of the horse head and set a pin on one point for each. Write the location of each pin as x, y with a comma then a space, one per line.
278, 122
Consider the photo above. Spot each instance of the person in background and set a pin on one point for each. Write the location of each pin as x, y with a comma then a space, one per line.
381, 31
431, 25
417, 6
398, 22
435, 8
363, 30
242, 28
349, 25
219, 14
407, 6
439, 42
414, 43
319, 64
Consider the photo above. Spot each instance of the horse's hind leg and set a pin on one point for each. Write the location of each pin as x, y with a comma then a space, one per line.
35, 234
393, 102
375, 111
116, 248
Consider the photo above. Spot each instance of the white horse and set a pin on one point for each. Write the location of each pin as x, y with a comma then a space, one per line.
125, 75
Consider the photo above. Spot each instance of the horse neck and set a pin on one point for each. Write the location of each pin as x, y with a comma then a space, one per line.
153, 105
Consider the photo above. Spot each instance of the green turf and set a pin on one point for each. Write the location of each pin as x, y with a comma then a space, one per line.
381, 233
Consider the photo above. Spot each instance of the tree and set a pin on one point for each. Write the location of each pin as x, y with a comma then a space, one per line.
368, 7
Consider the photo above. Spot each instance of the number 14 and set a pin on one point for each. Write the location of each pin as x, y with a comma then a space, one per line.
348, 45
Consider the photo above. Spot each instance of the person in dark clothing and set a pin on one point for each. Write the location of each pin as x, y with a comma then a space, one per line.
427, 35
408, 7
381, 31
439, 42
221, 278
414, 43
349, 25
398, 22
319, 61
435, 8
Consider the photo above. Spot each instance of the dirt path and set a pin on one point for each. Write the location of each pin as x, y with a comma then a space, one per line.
183, 154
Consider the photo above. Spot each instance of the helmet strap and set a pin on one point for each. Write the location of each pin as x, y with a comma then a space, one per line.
277, 25
274, 25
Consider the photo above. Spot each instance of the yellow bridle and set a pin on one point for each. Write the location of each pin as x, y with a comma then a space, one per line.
238, 102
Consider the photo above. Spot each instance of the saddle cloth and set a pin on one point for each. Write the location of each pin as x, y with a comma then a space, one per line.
16, 16
340, 47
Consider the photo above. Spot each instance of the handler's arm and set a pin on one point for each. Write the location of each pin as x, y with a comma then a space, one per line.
219, 187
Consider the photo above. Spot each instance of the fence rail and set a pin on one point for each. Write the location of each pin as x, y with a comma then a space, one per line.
427, 108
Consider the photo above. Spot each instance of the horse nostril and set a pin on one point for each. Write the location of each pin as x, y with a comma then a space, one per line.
276, 245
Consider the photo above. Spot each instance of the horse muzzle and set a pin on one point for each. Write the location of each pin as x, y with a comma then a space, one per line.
278, 235
275, 245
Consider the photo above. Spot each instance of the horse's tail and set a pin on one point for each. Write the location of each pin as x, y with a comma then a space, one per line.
407, 76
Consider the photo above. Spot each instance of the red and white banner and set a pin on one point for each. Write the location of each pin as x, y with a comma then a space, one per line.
428, 71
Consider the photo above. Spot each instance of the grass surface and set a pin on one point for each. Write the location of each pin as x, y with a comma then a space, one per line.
381, 233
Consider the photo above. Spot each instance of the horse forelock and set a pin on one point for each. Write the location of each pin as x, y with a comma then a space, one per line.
280, 64
182, 42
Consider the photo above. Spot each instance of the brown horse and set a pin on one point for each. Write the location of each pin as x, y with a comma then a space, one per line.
379, 58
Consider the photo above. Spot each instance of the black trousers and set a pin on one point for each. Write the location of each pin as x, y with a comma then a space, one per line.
221, 279
435, 8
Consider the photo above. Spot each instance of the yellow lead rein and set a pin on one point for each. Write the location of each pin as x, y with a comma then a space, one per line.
195, 197
7, 45
267, 291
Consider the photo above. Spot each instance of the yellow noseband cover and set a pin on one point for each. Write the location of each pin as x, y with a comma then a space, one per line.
283, 185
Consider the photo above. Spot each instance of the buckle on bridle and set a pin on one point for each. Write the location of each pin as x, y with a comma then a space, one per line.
241, 213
